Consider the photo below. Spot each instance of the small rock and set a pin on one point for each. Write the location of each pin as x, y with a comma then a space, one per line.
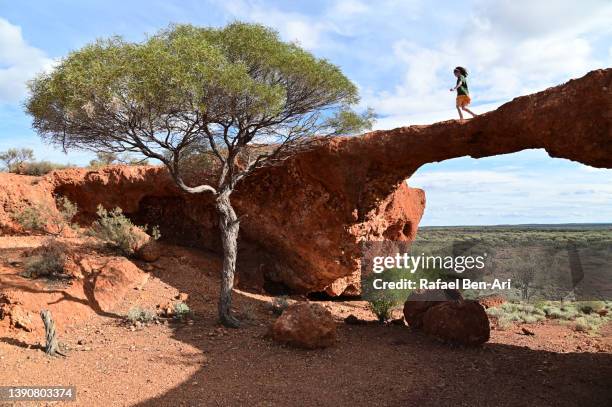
20, 318
527, 331
182, 297
305, 325
149, 252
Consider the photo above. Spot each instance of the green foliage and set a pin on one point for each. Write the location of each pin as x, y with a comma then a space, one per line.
381, 306
117, 229
581, 314
181, 311
588, 307
279, 304
66, 211
31, 218
48, 260
241, 75
108, 158
38, 168
13, 158
138, 314
348, 122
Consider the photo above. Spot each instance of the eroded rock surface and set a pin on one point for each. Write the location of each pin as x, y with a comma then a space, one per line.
305, 325
462, 321
303, 221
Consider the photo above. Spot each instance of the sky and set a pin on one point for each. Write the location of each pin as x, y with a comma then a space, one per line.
400, 53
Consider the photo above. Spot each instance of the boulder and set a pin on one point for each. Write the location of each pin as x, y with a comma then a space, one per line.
149, 252
20, 318
305, 325
464, 322
418, 302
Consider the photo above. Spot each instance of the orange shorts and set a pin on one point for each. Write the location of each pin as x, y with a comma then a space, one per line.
463, 100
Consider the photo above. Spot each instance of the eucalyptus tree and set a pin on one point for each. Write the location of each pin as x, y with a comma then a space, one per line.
239, 95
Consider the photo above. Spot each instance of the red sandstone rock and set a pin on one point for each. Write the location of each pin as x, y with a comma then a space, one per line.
418, 302
463, 322
149, 252
305, 325
117, 276
305, 219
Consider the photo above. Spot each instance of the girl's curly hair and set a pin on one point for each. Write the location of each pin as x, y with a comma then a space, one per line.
461, 69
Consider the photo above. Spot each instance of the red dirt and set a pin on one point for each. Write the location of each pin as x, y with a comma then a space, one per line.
199, 363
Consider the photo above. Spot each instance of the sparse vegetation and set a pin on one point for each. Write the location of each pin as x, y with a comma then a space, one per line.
13, 158
142, 315
118, 230
48, 260
181, 310
31, 218
38, 168
21, 161
381, 306
585, 316
279, 304
109, 158
66, 211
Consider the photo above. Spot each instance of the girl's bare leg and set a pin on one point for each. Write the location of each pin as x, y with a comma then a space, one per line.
460, 114
469, 111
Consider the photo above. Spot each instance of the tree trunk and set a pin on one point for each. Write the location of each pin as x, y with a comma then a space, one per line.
229, 226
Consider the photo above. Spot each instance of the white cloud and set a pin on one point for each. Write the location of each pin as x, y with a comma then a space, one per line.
489, 193
19, 62
511, 48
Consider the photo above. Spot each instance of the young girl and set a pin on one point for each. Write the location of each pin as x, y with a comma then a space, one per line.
463, 95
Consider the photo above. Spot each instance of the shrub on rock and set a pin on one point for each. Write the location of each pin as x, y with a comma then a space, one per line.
305, 325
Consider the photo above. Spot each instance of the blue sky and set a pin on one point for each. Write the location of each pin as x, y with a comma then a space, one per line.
400, 54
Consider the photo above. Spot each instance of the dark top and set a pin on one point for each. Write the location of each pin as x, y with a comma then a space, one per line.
463, 86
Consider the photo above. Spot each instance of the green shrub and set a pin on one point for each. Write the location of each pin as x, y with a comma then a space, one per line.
66, 211
381, 306
31, 218
181, 311
115, 228
588, 307
48, 260
38, 168
137, 314
279, 304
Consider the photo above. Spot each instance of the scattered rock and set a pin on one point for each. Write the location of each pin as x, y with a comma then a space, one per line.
463, 321
527, 331
419, 302
182, 297
149, 252
20, 318
305, 325
165, 309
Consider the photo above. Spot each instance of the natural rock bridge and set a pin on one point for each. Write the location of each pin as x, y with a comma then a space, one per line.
303, 221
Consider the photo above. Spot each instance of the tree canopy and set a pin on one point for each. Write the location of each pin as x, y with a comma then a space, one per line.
216, 88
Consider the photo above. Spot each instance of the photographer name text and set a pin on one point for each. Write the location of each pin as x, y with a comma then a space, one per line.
439, 284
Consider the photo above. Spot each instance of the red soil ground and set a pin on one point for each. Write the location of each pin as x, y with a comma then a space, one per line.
198, 363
